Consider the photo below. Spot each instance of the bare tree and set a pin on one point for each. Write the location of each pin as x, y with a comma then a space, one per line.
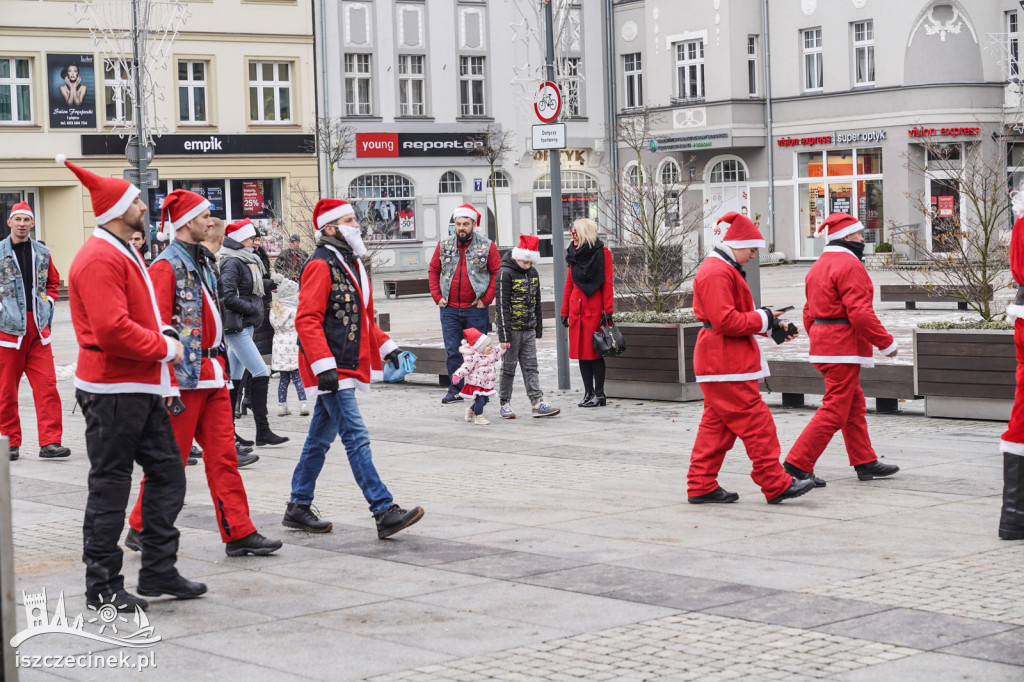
492, 144
658, 253
333, 139
967, 255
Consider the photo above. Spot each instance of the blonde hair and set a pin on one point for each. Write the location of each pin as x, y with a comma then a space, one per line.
586, 229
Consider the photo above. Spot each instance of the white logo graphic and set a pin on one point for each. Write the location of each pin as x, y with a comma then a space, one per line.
111, 620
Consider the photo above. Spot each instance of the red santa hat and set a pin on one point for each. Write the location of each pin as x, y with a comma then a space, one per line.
528, 249
839, 225
179, 207
328, 211
22, 208
475, 338
467, 211
742, 232
241, 230
111, 197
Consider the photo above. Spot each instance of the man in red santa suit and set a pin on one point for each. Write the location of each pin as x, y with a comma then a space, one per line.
185, 283
1011, 520
28, 290
728, 363
123, 385
843, 329
340, 350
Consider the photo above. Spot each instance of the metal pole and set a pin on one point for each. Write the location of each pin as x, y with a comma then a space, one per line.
138, 50
8, 606
612, 110
557, 229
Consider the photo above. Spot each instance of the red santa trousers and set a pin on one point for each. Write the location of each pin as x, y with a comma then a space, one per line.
734, 409
842, 408
35, 361
207, 419
1014, 435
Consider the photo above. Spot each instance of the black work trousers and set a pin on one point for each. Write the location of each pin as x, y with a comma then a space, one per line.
121, 429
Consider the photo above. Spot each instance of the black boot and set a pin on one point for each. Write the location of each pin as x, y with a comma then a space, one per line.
264, 436
586, 399
1011, 521
233, 392
597, 399
300, 516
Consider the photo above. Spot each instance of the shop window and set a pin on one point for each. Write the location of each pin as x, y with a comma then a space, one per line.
813, 69
500, 181
213, 190
16, 90
10, 197
839, 180
118, 97
270, 92
385, 206
450, 183
579, 200
728, 170
192, 89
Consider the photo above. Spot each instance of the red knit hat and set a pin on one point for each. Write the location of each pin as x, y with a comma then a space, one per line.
327, 211
528, 249
111, 197
467, 211
839, 225
22, 208
475, 338
179, 207
742, 232
241, 230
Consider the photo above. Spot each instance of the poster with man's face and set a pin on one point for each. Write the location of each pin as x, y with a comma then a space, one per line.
71, 85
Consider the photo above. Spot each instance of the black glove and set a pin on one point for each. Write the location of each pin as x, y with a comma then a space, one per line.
540, 331
607, 319
328, 381
565, 321
392, 357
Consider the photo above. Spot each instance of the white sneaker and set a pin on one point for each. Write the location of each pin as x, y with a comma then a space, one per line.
283, 411
480, 419
304, 409
469, 414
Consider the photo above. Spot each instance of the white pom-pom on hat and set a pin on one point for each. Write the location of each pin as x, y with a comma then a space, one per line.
60, 159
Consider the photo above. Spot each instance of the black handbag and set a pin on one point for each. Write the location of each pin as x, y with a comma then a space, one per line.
608, 339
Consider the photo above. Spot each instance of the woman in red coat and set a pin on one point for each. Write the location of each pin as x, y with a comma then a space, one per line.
588, 297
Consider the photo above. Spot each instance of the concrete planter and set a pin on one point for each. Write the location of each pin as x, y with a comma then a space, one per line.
965, 373
657, 364
880, 261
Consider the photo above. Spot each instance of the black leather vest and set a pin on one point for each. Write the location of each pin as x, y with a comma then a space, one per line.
343, 317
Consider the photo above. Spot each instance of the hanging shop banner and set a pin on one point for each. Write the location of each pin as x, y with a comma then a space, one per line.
252, 197
207, 145
416, 144
71, 86
946, 207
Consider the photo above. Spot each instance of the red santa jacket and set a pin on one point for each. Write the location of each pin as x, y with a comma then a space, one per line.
728, 351
315, 355
211, 370
838, 286
52, 287
117, 322
1014, 311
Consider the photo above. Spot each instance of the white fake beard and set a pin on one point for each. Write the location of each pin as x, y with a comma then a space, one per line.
352, 236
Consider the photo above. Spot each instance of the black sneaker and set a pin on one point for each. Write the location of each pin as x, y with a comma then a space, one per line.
195, 452
124, 601
242, 441
300, 516
876, 469
15, 453
191, 462
177, 586
253, 543
450, 398
245, 460
719, 495
53, 450
395, 519
796, 472
798, 487
131, 541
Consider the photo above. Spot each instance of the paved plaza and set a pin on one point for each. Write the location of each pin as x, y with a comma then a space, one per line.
563, 548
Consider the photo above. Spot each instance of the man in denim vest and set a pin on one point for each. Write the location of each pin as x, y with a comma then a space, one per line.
28, 289
462, 272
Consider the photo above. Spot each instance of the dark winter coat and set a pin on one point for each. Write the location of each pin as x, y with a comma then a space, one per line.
263, 337
240, 307
517, 300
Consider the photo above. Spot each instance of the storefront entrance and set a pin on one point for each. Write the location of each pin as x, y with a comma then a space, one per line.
10, 197
579, 200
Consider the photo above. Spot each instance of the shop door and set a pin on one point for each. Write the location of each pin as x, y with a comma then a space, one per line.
943, 228
574, 206
724, 199
504, 215
10, 197
446, 205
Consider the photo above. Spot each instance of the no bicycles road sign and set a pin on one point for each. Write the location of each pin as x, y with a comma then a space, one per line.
547, 103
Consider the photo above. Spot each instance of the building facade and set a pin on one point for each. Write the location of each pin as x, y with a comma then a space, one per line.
857, 86
237, 105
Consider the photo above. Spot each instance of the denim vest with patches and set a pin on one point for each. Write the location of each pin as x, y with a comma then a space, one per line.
476, 263
187, 316
12, 289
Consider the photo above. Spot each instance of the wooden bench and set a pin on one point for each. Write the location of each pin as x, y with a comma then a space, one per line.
547, 311
394, 288
911, 295
887, 384
431, 360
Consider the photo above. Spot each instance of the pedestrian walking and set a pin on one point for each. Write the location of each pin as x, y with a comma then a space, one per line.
123, 384
588, 300
461, 276
341, 350
840, 320
291, 260
520, 323
477, 372
28, 292
1011, 517
285, 359
728, 364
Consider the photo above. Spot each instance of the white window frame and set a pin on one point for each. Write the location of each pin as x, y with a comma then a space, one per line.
190, 85
450, 183
408, 78
358, 67
276, 85
689, 55
472, 70
863, 53
1013, 46
813, 66
633, 72
572, 87
13, 82
121, 92
752, 72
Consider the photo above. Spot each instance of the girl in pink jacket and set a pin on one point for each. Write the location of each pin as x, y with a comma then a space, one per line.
479, 358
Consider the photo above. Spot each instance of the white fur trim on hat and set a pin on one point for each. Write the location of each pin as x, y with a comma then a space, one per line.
118, 209
243, 233
523, 254
199, 208
846, 231
466, 212
22, 211
745, 244
334, 214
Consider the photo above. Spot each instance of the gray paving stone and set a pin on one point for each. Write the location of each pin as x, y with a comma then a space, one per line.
509, 565
917, 629
797, 610
1002, 647
934, 666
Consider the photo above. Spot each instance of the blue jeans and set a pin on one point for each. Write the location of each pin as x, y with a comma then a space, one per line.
243, 355
453, 321
333, 416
